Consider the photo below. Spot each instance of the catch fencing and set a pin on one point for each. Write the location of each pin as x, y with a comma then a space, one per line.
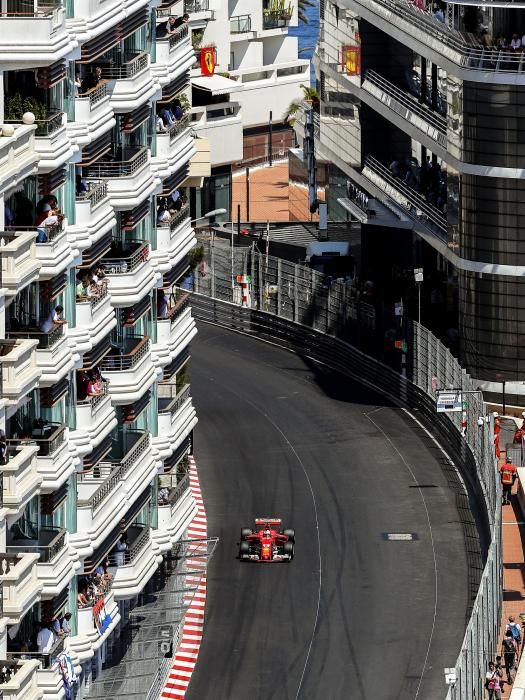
330, 322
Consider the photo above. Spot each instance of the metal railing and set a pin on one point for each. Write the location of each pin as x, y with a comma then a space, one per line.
95, 299
176, 129
126, 162
95, 401
47, 551
403, 195
125, 264
47, 126
475, 57
196, 6
47, 659
20, 8
177, 309
177, 36
178, 399
434, 125
97, 191
126, 65
240, 24
176, 492
95, 94
126, 361
48, 445
179, 217
45, 340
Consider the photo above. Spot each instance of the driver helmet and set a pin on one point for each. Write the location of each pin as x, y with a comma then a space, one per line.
267, 533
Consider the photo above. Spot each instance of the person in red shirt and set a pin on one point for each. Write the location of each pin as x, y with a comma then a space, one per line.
509, 473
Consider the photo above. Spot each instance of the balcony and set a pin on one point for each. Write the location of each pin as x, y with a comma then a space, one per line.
52, 143
174, 56
20, 373
56, 566
20, 265
174, 149
54, 252
130, 80
19, 680
174, 332
130, 273
401, 195
88, 638
276, 19
456, 52
53, 354
21, 588
177, 509
174, 241
44, 22
94, 215
18, 158
140, 563
129, 176
54, 461
21, 481
92, 17
93, 115
130, 370
95, 319
221, 124
240, 24
176, 418
107, 492
95, 420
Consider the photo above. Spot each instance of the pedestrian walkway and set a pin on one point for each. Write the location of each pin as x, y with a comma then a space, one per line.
513, 533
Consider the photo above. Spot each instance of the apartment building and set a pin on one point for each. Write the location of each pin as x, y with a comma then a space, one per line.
420, 122
95, 400
257, 75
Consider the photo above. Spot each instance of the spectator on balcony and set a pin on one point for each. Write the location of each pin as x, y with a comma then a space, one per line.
3, 450
61, 626
162, 305
9, 218
121, 548
166, 28
438, 13
45, 638
81, 185
44, 206
92, 79
94, 387
167, 118
102, 570
163, 215
98, 276
83, 290
54, 218
159, 125
175, 202
176, 110
53, 320
78, 83
515, 43
82, 386
182, 20
162, 496
82, 598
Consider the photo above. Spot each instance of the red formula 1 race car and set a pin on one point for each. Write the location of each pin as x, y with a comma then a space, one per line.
268, 542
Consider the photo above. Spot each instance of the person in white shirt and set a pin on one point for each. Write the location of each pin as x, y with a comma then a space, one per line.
121, 548
515, 44
53, 320
45, 639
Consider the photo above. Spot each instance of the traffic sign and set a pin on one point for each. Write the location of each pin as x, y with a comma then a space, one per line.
449, 401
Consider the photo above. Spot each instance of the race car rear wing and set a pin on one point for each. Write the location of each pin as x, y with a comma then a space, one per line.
268, 522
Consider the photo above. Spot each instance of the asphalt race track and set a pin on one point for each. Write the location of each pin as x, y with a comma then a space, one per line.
355, 615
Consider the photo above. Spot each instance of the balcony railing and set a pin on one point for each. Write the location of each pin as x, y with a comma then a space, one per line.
168, 400
95, 401
48, 550
135, 548
126, 65
94, 301
127, 361
45, 340
176, 37
49, 438
176, 492
21, 8
196, 6
46, 127
126, 263
177, 218
471, 55
177, 309
124, 163
46, 659
273, 19
97, 191
414, 203
401, 102
240, 24
179, 126
96, 94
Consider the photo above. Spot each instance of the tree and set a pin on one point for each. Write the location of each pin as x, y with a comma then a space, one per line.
302, 6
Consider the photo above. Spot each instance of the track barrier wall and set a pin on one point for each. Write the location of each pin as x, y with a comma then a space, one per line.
326, 322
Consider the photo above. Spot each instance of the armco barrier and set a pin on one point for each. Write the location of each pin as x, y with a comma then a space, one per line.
475, 461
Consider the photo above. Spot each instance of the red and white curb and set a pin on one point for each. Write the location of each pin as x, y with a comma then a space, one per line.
188, 649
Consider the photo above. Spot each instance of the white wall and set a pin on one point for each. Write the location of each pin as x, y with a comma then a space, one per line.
247, 54
280, 49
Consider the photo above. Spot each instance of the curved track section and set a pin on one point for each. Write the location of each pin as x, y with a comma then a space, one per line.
356, 614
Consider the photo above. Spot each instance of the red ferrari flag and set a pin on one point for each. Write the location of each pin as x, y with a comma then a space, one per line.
208, 61
351, 60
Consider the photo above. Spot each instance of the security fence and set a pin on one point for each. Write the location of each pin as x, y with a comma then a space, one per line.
331, 322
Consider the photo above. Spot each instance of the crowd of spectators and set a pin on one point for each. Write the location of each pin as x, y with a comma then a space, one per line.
92, 588
23, 214
168, 207
428, 180
171, 25
91, 284
168, 116
90, 384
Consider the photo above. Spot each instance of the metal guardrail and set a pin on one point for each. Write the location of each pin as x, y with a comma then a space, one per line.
47, 126
473, 454
475, 57
434, 125
178, 36
95, 94
48, 445
127, 263
126, 162
127, 65
178, 399
240, 24
46, 659
97, 191
47, 551
414, 203
126, 361
175, 130
196, 6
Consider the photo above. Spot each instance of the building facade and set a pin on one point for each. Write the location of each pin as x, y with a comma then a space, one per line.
419, 119
96, 414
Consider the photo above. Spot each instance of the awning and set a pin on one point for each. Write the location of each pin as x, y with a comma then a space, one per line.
216, 84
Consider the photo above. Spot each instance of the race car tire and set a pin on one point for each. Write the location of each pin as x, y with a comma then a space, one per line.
244, 548
245, 531
289, 548
290, 534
